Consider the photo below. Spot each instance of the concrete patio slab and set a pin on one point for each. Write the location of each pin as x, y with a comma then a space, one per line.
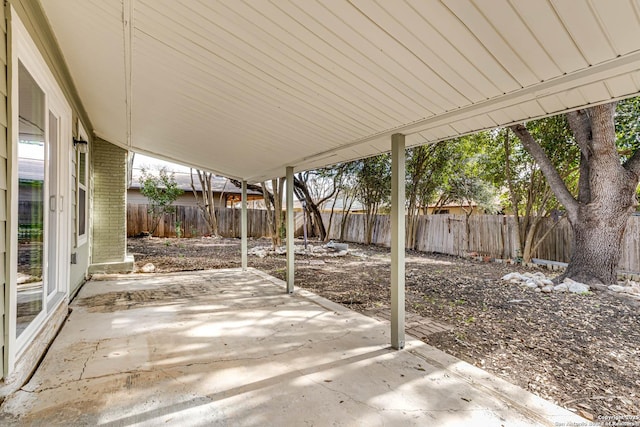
228, 347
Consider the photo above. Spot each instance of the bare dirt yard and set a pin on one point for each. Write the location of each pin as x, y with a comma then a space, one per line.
581, 351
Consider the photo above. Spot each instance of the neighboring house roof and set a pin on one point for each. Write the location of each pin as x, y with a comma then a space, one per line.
355, 207
452, 205
219, 184
30, 169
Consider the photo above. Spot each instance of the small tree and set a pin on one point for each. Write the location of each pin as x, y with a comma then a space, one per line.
428, 169
466, 188
205, 199
373, 176
315, 188
161, 190
348, 194
528, 195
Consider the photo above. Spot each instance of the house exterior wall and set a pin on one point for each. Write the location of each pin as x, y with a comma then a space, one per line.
134, 197
109, 201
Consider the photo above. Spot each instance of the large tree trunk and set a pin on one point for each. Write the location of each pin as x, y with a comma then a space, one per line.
597, 245
205, 200
598, 216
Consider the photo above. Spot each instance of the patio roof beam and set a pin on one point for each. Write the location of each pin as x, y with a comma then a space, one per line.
290, 230
243, 227
397, 239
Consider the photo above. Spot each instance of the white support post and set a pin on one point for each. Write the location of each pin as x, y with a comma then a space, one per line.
397, 240
290, 227
243, 227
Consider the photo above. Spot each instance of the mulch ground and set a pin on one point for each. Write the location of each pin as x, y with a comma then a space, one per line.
581, 352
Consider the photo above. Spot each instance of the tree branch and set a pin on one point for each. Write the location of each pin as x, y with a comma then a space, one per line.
581, 127
553, 177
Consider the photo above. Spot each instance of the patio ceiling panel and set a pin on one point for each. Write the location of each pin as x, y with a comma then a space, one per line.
104, 92
621, 85
246, 88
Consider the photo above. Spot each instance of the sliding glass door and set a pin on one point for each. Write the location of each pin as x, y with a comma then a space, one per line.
32, 160
42, 258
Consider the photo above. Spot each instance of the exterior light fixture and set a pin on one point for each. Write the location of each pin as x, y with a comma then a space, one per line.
80, 145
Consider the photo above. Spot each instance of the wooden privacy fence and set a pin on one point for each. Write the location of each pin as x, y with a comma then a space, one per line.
192, 224
489, 235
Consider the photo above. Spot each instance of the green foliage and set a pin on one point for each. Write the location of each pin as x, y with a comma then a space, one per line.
428, 167
161, 190
466, 182
373, 178
178, 226
525, 188
628, 126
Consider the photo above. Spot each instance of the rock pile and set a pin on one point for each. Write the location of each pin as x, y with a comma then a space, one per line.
540, 283
148, 268
628, 288
313, 250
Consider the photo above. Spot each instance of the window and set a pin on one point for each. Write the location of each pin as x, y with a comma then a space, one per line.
82, 177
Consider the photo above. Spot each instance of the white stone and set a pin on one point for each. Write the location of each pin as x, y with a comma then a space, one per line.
562, 287
532, 285
616, 288
632, 290
537, 290
539, 275
547, 289
148, 268
578, 288
547, 282
23, 278
511, 276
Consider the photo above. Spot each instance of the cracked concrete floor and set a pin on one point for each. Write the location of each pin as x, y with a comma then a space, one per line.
228, 347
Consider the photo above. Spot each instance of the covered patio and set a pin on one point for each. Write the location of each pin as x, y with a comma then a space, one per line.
260, 90
230, 347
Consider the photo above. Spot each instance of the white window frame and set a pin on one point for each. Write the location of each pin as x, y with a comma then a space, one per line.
82, 238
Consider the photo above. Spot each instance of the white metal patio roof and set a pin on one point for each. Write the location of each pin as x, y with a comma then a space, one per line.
246, 88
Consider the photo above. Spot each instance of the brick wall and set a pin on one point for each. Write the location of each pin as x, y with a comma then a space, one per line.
108, 192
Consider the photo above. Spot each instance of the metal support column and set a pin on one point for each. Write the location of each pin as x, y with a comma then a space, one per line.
397, 240
243, 227
290, 226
